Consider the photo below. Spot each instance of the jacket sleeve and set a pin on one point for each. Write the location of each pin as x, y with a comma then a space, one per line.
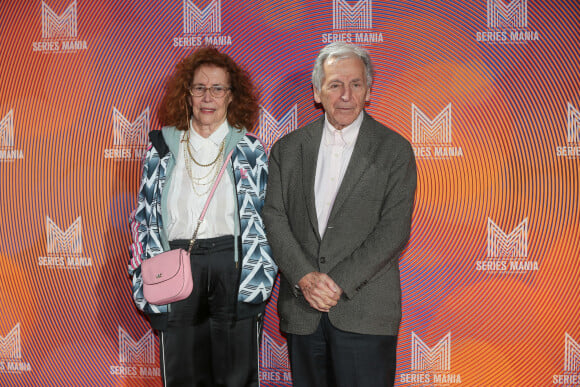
288, 252
144, 227
258, 268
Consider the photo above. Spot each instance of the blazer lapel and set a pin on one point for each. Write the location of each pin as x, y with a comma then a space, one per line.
358, 164
310, 148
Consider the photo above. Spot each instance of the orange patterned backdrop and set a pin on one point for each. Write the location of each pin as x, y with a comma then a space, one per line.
487, 91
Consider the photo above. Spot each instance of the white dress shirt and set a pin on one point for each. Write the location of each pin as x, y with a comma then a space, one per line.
184, 205
333, 157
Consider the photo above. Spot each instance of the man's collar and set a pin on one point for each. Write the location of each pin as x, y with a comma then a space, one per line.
347, 134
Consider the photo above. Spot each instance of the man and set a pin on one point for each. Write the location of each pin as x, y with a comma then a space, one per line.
338, 214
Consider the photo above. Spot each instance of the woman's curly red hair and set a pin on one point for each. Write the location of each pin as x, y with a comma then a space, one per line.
243, 111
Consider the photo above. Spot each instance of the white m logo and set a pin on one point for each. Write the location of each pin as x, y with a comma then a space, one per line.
7, 129
68, 243
274, 355
500, 244
10, 347
424, 358
127, 133
271, 130
573, 125
140, 352
358, 17
512, 15
196, 21
64, 26
426, 131
572, 355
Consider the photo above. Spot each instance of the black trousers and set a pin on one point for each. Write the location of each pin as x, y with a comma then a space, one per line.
330, 357
204, 343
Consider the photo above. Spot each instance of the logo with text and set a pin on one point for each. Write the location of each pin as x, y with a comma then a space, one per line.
430, 366
431, 139
130, 138
571, 374
507, 253
64, 250
7, 150
572, 149
507, 23
59, 32
136, 358
11, 353
202, 26
275, 365
271, 130
352, 23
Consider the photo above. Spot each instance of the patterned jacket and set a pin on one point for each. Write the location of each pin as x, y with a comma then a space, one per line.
248, 167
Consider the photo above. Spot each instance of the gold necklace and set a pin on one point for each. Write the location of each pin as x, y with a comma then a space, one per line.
199, 181
222, 145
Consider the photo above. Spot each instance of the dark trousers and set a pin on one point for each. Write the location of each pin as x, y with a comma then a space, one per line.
205, 344
330, 357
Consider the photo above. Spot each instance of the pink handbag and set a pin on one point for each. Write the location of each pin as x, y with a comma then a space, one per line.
167, 276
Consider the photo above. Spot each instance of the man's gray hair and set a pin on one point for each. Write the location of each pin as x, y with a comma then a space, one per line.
340, 50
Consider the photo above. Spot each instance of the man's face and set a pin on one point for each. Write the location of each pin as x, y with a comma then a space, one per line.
344, 91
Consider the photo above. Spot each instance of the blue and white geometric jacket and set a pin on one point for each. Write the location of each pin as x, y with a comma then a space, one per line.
248, 169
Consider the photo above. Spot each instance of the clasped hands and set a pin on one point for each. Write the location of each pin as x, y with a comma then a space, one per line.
321, 292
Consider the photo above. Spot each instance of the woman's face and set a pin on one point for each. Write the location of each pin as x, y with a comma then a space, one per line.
209, 111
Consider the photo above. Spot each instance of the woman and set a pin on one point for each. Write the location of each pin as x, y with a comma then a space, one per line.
212, 337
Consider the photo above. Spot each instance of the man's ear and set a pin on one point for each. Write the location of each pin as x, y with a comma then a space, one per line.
316, 94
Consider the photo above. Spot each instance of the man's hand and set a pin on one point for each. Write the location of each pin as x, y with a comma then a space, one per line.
321, 292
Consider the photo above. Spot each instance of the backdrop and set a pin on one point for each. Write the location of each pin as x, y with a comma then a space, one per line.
487, 92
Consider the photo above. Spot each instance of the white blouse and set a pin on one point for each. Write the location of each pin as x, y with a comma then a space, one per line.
185, 203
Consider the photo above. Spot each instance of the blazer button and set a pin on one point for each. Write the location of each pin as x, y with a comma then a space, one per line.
322, 259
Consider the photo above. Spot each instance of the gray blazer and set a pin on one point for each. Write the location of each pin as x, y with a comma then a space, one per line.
368, 228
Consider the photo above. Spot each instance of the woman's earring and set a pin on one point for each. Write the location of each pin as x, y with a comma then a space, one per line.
186, 111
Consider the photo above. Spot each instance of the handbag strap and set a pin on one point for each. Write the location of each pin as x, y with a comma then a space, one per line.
213, 189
